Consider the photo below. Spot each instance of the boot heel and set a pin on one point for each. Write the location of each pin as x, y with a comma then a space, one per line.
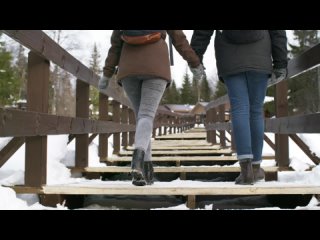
246, 174
137, 168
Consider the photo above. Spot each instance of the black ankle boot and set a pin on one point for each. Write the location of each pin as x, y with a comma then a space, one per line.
246, 175
258, 172
148, 172
137, 168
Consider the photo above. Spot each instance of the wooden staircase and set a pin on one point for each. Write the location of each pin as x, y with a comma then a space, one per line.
187, 154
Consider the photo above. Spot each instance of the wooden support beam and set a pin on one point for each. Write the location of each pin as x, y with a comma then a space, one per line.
132, 121
37, 101
7, 151
191, 201
116, 118
282, 140
304, 147
103, 116
82, 110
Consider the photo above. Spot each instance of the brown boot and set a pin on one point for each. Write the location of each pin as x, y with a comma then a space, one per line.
148, 172
137, 168
246, 175
258, 172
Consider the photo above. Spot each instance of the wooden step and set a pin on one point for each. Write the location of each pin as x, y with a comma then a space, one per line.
183, 158
182, 136
183, 152
181, 169
169, 148
181, 143
191, 188
175, 158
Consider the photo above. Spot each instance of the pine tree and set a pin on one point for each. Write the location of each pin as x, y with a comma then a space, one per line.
195, 91
205, 90
21, 65
175, 93
186, 91
94, 93
221, 90
304, 89
9, 82
171, 95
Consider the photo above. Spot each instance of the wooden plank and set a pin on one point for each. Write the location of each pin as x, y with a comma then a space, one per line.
306, 60
185, 158
157, 148
178, 158
179, 188
294, 124
43, 45
17, 123
182, 136
216, 103
179, 169
184, 152
181, 143
7, 151
226, 126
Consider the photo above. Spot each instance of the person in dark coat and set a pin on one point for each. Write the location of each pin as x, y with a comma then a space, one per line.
245, 61
144, 73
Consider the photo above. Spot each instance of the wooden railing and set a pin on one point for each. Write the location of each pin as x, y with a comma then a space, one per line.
33, 125
283, 126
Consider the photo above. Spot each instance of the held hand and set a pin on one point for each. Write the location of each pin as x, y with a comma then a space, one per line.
280, 73
198, 72
103, 82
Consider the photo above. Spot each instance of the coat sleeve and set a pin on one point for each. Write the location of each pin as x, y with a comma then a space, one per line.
181, 44
200, 41
114, 53
279, 48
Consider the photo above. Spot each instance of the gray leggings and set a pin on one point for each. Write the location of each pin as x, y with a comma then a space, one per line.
145, 94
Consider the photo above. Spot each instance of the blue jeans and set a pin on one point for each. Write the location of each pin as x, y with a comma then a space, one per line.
246, 92
145, 94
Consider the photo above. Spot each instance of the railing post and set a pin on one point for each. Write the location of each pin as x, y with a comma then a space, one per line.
165, 121
37, 101
103, 116
116, 118
82, 110
282, 140
132, 120
124, 120
222, 120
160, 124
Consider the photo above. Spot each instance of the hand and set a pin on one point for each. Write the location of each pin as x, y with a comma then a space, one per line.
104, 82
280, 73
198, 72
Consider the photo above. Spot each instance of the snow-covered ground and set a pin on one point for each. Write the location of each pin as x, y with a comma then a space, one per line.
61, 155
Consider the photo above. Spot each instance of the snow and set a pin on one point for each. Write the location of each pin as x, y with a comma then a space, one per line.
61, 155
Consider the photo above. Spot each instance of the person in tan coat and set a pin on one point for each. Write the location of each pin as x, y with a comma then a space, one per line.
144, 72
